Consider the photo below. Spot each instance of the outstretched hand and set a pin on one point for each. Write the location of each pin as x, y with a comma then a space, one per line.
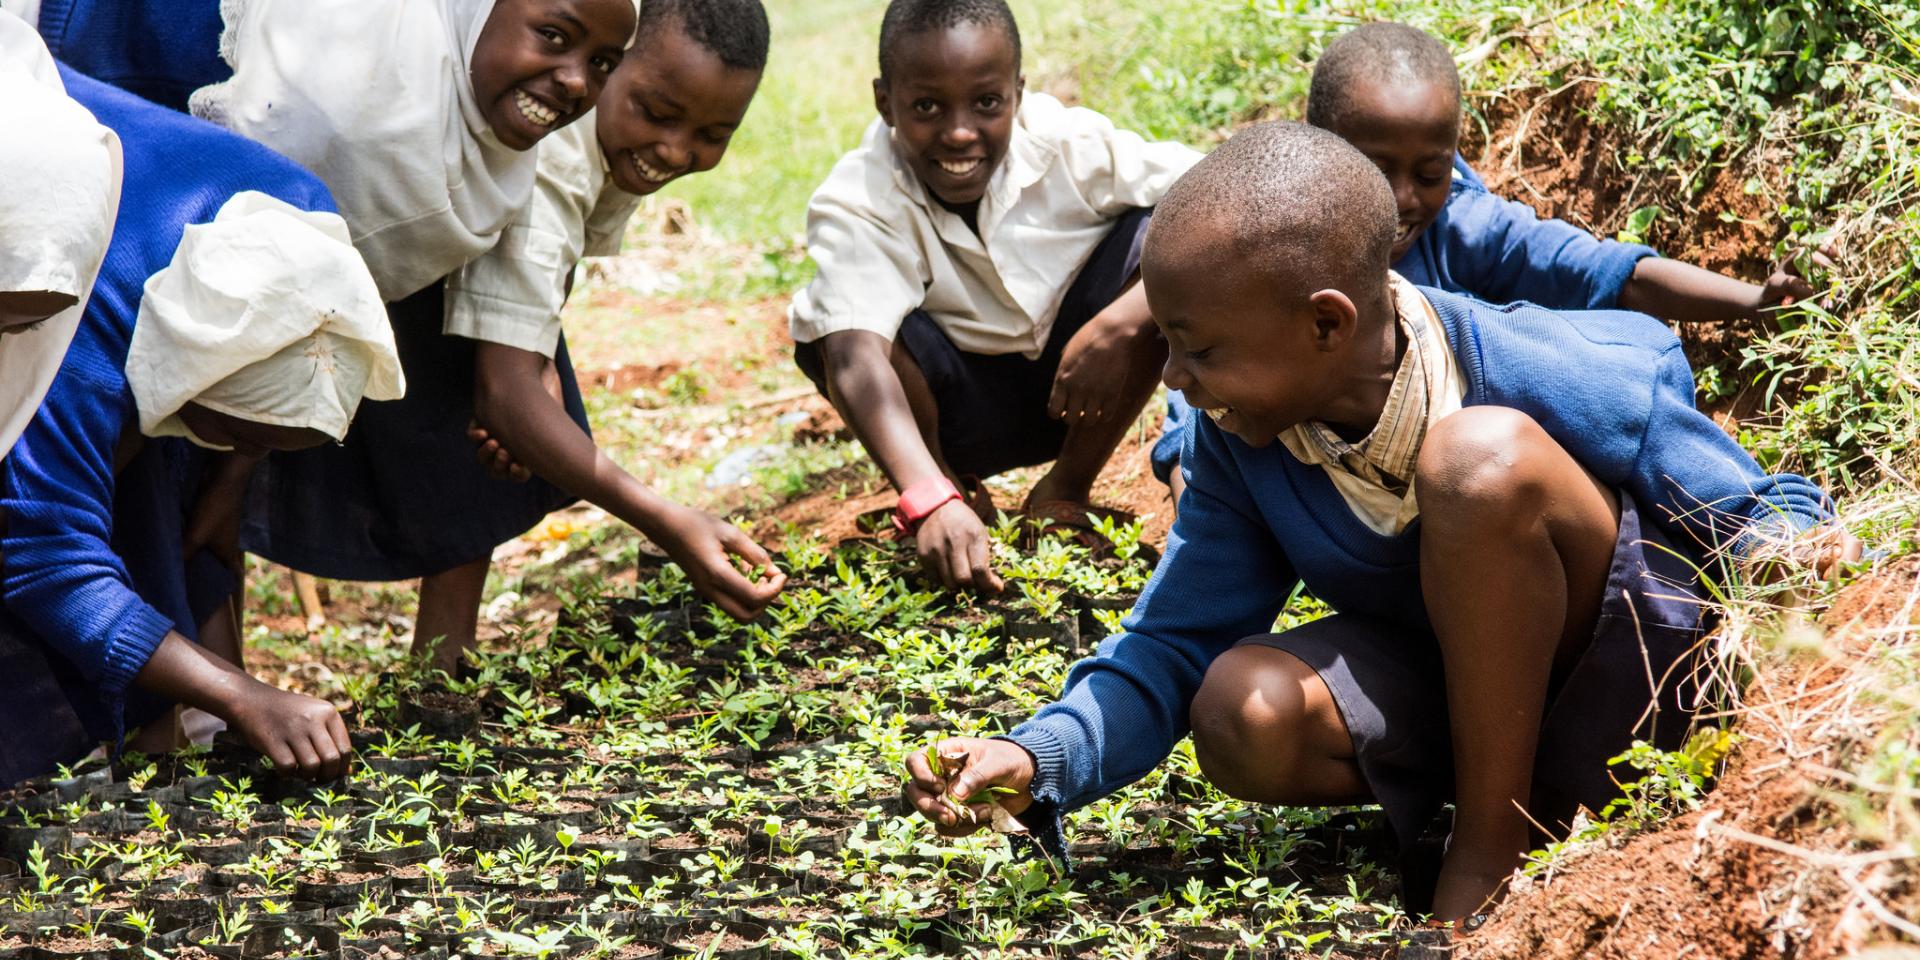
974, 776
955, 548
708, 547
497, 459
300, 734
1788, 285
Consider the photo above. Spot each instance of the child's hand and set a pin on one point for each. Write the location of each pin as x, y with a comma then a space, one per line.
1097, 367
497, 460
955, 548
958, 782
300, 734
706, 546
1787, 285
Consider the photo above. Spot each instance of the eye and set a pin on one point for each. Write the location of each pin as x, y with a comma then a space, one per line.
605, 64
1199, 356
717, 138
991, 101
925, 106
554, 36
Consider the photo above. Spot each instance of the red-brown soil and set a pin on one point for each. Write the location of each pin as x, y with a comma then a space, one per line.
1766, 869
1544, 149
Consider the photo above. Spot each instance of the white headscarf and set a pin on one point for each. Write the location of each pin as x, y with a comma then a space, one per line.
375, 97
58, 195
267, 314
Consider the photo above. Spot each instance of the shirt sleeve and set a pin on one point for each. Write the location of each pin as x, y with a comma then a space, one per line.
1223, 578
512, 294
1501, 251
870, 275
1118, 170
1703, 486
58, 570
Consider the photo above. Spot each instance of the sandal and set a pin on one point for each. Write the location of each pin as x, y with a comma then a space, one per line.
1435, 939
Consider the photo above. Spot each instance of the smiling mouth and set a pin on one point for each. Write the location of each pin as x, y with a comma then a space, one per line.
1216, 413
961, 168
1403, 231
646, 171
537, 113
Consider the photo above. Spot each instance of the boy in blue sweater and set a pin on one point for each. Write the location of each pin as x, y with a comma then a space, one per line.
1393, 92
1505, 507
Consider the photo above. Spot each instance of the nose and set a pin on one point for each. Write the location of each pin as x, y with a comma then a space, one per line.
960, 136
673, 153
572, 77
1175, 374
1404, 197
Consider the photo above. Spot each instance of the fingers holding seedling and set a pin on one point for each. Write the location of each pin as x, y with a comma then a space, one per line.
964, 784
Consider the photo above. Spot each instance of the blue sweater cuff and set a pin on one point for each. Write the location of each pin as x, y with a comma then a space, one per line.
140, 634
1043, 819
1614, 276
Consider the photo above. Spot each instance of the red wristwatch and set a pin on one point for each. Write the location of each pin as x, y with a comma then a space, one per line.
919, 501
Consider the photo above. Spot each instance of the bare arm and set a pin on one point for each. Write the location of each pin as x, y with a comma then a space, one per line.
298, 733
1672, 290
514, 407
866, 389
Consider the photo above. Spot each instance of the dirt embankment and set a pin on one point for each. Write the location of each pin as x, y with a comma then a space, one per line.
1769, 867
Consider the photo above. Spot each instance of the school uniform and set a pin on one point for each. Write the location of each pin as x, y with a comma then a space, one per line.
161, 50
1491, 249
91, 558
403, 497
1613, 388
985, 315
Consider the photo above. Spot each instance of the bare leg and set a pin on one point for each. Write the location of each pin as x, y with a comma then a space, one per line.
1266, 730
1515, 546
449, 616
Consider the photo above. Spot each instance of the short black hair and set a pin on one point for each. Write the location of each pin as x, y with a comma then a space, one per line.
1377, 53
907, 18
1298, 202
736, 31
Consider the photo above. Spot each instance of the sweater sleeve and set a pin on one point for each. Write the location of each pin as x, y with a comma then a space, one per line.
1223, 578
1702, 487
1500, 251
58, 572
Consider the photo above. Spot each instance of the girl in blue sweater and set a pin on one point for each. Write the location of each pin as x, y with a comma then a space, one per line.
1392, 91
1506, 507
231, 313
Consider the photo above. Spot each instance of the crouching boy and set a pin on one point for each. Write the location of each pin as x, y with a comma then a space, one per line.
976, 307
1506, 507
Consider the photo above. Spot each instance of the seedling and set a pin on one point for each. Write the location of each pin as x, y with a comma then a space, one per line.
946, 766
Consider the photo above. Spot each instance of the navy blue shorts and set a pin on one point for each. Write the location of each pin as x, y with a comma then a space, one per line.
993, 409
1636, 680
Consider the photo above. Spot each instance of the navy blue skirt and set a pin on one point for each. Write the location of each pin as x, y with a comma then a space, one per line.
402, 497
52, 714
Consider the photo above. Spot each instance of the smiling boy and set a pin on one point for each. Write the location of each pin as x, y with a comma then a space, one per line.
1506, 507
1393, 92
975, 308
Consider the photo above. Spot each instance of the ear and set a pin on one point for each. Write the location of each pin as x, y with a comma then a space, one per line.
881, 103
1335, 319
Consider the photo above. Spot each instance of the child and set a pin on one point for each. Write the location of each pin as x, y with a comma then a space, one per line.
669, 111
420, 116
1393, 92
49, 252
231, 311
1498, 637
975, 308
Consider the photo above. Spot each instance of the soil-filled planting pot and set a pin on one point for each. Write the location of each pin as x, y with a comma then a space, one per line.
296, 942
343, 887
438, 713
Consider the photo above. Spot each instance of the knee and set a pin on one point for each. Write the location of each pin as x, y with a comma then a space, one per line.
1248, 720
1482, 457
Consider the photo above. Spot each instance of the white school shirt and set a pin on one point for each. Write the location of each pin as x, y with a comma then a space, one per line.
886, 247
512, 294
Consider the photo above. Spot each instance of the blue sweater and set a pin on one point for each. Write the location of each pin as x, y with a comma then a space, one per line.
162, 50
1491, 249
98, 600
1611, 387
